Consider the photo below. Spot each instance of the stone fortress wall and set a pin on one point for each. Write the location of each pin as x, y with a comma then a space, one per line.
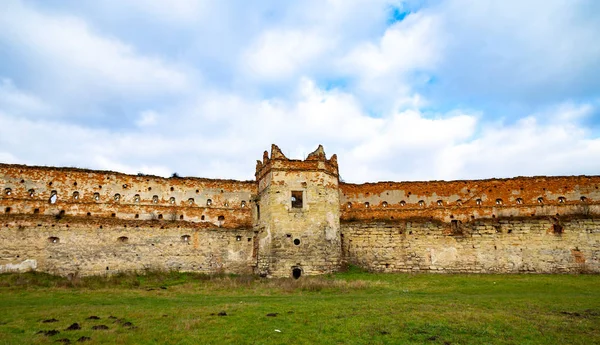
65, 220
523, 224
68, 220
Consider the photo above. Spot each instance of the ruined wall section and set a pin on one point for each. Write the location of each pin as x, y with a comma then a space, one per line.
74, 245
463, 201
305, 237
508, 245
86, 193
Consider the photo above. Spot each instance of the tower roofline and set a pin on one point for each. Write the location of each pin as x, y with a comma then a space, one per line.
315, 161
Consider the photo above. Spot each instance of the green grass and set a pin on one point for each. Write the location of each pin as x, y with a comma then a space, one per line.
347, 308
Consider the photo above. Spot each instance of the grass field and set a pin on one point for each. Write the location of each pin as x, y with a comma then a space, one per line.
346, 308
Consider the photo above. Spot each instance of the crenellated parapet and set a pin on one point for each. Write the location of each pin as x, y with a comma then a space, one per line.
315, 161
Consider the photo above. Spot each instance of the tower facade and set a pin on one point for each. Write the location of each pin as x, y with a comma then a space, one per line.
297, 215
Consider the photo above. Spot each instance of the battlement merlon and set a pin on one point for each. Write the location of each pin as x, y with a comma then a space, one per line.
315, 161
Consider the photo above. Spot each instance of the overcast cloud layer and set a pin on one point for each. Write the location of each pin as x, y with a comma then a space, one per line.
400, 90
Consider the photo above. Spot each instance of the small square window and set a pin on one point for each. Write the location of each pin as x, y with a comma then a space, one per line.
296, 199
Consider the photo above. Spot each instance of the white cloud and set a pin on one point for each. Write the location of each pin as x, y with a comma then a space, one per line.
174, 11
17, 101
280, 54
147, 118
81, 60
518, 51
412, 44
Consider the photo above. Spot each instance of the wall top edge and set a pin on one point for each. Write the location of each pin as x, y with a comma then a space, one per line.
83, 170
492, 179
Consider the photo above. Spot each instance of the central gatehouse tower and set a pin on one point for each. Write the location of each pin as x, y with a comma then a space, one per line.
297, 216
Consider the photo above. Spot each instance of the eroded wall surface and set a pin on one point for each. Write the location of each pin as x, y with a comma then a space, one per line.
88, 193
468, 200
72, 245
529, 245
67, 220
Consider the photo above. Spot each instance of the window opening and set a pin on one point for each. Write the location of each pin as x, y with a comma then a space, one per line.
53, 197
296, 199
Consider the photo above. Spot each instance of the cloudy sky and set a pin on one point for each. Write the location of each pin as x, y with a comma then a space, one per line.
400, 90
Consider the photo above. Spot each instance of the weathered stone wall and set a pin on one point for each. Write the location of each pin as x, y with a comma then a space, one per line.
67, 220
526, 245
79, 192
304, 238
72, 245
468, 200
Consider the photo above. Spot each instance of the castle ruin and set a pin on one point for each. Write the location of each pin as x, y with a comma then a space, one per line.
296, 218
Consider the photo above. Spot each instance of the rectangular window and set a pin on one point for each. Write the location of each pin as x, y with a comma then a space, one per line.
296, 199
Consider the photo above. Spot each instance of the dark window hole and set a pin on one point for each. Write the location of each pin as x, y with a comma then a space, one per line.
297, 241
296, 272
557, 229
